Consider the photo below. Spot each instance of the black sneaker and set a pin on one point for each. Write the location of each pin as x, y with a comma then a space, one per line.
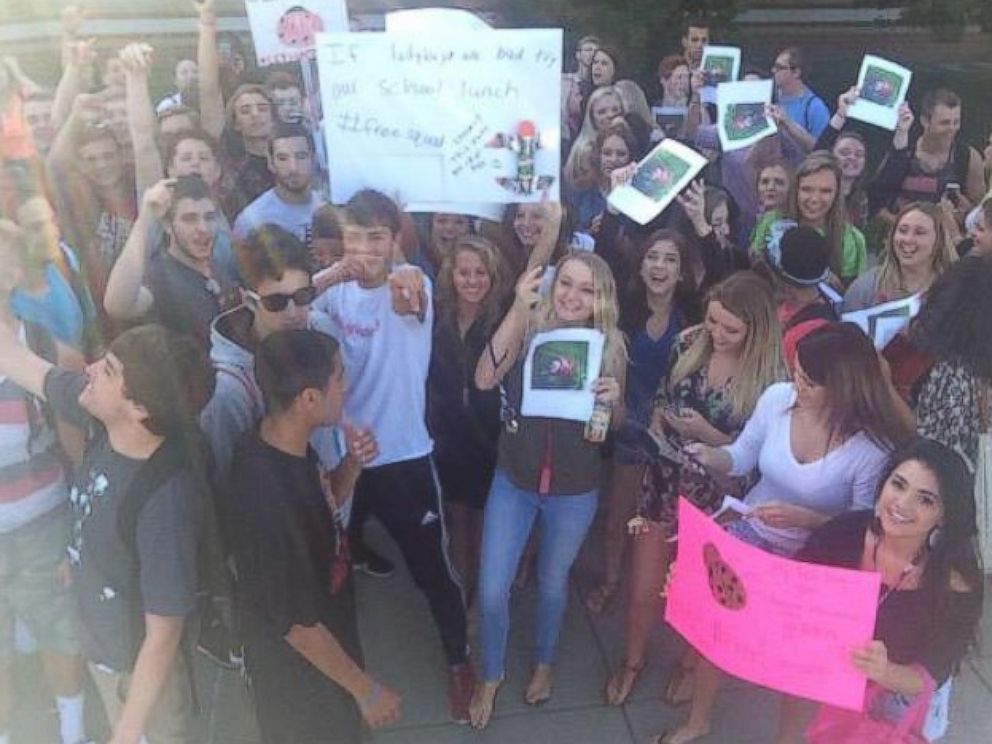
367, 561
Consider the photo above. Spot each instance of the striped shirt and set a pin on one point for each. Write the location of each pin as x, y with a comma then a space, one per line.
32, 480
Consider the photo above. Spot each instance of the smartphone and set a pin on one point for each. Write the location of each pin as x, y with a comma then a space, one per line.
656, 447
953, 193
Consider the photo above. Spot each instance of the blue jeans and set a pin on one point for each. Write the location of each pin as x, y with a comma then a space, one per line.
510, 514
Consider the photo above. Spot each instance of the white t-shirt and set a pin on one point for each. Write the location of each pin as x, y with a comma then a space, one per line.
843, 480
270, 209
386, 358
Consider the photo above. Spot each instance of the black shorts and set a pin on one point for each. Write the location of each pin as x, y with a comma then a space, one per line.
464, 482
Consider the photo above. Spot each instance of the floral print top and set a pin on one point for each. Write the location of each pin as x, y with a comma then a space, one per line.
664, 481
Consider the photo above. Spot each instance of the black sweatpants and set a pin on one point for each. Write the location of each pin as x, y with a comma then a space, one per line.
404, 496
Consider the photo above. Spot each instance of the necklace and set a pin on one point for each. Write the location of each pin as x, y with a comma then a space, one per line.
903, 575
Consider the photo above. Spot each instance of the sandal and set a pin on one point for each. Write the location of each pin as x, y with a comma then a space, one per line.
675, 692
622, 681
601, 598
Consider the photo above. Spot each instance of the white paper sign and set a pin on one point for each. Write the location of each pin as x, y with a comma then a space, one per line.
559, 372
455, 116
429, 20
720, 64
659, 178
491, 212
883, 85
884, 322
741, 117
286, 30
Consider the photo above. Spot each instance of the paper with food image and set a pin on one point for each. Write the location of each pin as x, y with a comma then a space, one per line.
559, 371
883, 85
884, 322
286, 30
786, 625
658, 179
741, 116
720, 64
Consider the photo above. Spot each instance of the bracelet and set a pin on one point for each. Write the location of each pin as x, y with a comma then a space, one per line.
373, 697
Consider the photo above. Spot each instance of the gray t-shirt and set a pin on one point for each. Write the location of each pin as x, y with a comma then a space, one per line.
104, 568
270, 209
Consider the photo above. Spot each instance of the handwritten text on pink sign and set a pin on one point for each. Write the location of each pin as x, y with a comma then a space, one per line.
784, 624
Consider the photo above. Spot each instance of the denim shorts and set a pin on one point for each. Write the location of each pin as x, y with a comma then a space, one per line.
30, 557
743, 531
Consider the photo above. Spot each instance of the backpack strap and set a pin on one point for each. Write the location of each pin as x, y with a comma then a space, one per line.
249, 387
809, 102
153, 473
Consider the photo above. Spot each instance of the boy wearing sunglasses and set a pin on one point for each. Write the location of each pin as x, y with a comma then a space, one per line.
277, 297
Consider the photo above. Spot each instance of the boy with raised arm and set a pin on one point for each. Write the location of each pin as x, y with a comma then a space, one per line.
132, 550
382, 317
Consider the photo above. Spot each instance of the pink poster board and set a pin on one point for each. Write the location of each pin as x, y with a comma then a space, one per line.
779, 623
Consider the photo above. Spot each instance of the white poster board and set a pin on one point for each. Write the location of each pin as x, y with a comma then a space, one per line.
884, 322
451, 117
559, 372
658, 179
429, 20
491, 212
286, 30
741, 117
720, 64
882, 86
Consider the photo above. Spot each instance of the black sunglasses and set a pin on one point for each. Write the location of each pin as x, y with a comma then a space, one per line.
277, 302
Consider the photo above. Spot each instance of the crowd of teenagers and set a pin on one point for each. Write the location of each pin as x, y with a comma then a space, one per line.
211, 378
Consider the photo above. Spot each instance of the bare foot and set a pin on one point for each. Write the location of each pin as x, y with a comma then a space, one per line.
622, 682
684, 734
480, 710
539, 689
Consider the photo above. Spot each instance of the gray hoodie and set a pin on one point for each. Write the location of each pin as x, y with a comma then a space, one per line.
236, 405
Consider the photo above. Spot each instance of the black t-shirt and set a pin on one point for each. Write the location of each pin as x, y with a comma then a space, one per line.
185, 300
250, 178
464, 420
286, 546
104, 567
906, 622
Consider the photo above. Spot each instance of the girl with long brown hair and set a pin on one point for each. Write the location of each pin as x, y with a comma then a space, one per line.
820, 444
659, 302
464, 421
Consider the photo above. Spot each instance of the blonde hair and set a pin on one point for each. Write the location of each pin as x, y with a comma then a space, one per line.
584, 142
889, 279
605, 312
633, 101
446, 298
580, 170
749, 298
588, 131
835, 222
